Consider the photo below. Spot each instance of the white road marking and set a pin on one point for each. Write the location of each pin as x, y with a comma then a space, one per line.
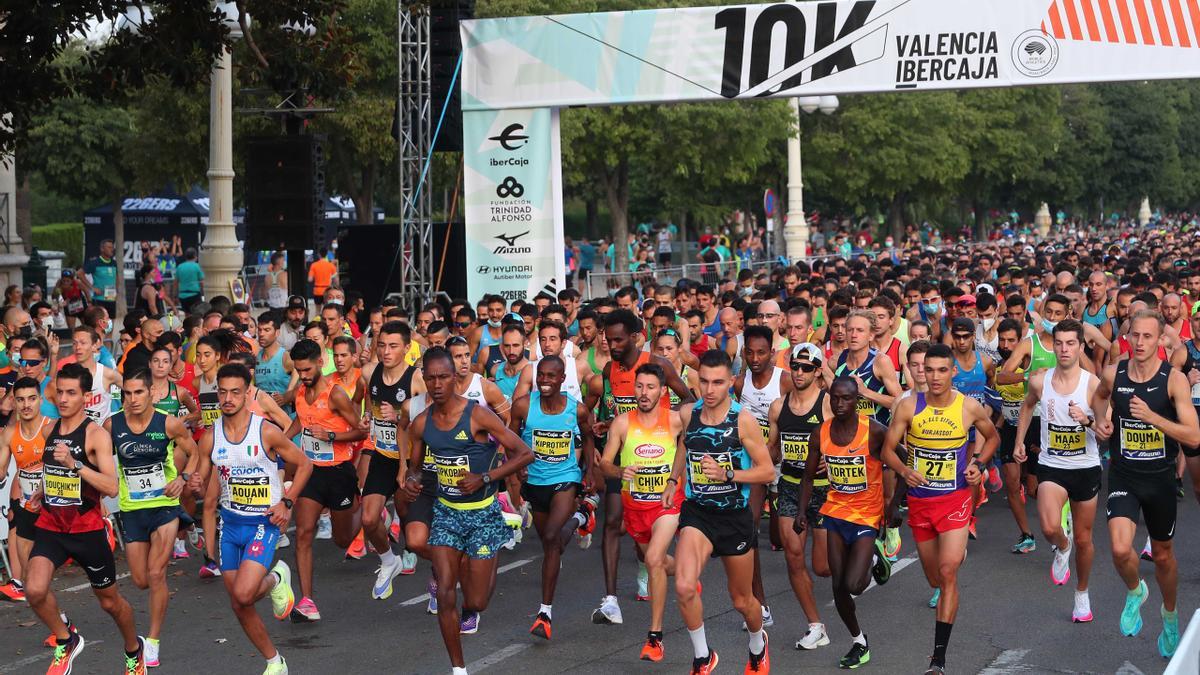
896, 567
80, 587
16, 666
1009, 661
497, 656
1128, 668
424, 597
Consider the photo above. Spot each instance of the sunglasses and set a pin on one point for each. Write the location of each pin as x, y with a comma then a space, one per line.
29, 363
805, 367
456, 340
961, 336
463, 324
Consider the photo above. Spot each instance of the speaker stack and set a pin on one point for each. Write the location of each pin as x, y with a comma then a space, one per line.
285, 189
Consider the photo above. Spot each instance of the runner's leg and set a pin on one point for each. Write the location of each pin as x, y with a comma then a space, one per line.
38, 575
246, 585
1051, 497
793, 553
660, 565
552, 530
1083, 515
306, 515
610, 545
446, 562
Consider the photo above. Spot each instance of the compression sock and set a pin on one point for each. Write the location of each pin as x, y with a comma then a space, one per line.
757, 641
387, 557
941, 638
699, 642
545, 609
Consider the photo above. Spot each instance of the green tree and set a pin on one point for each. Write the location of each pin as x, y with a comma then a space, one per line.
1144, 127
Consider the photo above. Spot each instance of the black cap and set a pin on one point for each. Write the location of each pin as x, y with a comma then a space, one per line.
297, 302
962, 325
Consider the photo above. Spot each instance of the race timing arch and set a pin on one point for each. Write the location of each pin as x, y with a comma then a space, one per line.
517, 73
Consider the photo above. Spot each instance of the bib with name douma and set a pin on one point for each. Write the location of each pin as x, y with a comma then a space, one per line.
1143, 448
938, 446
456, 453
651, 449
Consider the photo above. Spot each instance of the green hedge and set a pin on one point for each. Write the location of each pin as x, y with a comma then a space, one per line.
65, 237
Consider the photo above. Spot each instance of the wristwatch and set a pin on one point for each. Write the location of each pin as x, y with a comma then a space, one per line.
729, 475
332, 436
487, 478
287, 502
183, 475
78, 465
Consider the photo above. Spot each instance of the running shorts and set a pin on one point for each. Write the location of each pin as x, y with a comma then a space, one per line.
1008, 442
788, 505
1152, 494
639, 520
730, 531
334, 487
89, 549
477, 532
24, 522
540, 496
848, 531
244, 539
930, 516
381, 476
1080, 484
139, 524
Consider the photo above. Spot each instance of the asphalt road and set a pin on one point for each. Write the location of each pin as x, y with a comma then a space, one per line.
1011, 618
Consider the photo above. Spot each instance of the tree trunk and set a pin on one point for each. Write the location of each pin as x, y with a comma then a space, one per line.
119, 255
364, 200
591, 221
896, 215
616, 184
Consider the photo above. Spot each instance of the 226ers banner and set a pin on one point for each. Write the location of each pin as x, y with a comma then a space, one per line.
513, 203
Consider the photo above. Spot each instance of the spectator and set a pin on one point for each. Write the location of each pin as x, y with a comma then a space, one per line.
74, 297
101, 274
277, 282
190, 277
321, 274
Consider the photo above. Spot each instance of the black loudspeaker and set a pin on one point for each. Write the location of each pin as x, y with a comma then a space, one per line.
367, 252
285, 187
445, 46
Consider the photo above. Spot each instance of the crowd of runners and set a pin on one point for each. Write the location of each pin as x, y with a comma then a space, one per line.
840, 397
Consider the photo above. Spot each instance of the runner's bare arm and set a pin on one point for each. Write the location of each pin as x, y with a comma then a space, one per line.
762, 469
285, 448
773, 436
178, 432
524, 382
1033, 395
583, 417
409, 476
980, 417
1008, 372
343, 406
810, 473
675, 382
496, 400
518, 454
272, 409
520, 410
99, 449
616, 437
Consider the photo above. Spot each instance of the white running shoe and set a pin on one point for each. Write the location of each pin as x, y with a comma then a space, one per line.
408, 562
324, 527
284, 540
815, 637
150, 652
609, 611
1083, 608
1060, 569
585, 542
382, 590
1147, 552
768, 620
180, 549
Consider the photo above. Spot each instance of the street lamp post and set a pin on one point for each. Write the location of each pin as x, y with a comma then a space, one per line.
220, 256
795, 232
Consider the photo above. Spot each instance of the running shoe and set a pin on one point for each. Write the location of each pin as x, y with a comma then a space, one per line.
283, 542
653, 649
983, 499
283, 599
585, 541
609, 611
526, 516
394, 530
305, 611
1131, 616
1147, 552
891, 543
324, 527
759, 663
1026, 544
881, 571
210, 570
815, 637
933, 601
469, 624
935, 669
1179, 488
408, 563
51, 641
12, 592
1068, 521
64, 655
136, 665
541, 626
180, 550
1060, 568
767, 619
1168, 639
196, 538
857, 657
994, 482
706, 665
382, 590
358, 547
432, 589
150, 651
280, 668
587, 508
1083, 608
643, 582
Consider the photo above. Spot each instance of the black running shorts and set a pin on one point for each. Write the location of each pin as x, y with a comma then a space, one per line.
1080, 484
334, 487
1152, 494
89, 549
731, 531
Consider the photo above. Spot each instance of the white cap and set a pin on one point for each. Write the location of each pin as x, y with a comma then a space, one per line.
807, 351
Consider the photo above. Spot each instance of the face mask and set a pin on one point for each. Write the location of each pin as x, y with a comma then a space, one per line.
494, 324
890, 243
818, 317
988, 323
1049, 325
931, 307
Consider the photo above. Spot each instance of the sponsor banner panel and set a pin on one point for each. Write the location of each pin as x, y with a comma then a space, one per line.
811, 48
513, 200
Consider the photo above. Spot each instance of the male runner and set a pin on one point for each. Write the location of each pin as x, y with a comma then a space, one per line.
549, 422
468, 528
849, 444
483, 336
515, 357
77, 471
148, 491
244, 451
1018, 479
1152, 415
24, 443
725, 455
646, 440
939, 474
273, 372
974, 375
98, 398
1069, 463
472, 385
552, 337
390, 382
792, 420
329, 421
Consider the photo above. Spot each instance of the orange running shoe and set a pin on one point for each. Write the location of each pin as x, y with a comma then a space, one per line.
705, 666
12, 592
64, 655
358, 548
653, 649
760, 663
541, 626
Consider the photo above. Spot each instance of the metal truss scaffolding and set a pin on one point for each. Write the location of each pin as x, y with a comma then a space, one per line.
415, 134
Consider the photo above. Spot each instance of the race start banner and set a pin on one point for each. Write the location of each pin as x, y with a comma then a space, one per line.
786, 49
513, 202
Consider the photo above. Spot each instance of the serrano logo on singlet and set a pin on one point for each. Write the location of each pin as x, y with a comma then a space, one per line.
649, 450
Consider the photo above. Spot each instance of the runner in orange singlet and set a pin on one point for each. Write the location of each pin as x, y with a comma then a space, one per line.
24, 443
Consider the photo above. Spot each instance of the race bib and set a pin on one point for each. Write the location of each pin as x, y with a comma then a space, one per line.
795, 447
625, 404
1141, 441
552, 447
649, 483
427, 463
1196, 394
317, 449
61, 486
250, 495
1066, 440
865, 406
384, 434
1012, 412
110, 293
75, 306
847, 475
29, 482
209, 414
145, 482
765, 426
702, 484
939, 467
451, 469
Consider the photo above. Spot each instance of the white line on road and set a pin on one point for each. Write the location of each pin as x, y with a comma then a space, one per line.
1009, 661
80, 587
16, 666
424, 597
896, 567
497, 656
1128, 668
